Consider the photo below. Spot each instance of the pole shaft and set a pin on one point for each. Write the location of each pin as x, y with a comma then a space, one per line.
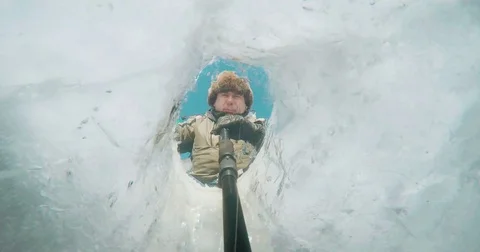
234, 228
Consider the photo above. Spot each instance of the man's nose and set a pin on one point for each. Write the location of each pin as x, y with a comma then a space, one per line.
229, 98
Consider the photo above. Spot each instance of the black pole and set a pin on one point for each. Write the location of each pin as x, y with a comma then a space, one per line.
235, 233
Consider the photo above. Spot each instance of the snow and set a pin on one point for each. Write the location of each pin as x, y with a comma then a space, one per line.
372, 144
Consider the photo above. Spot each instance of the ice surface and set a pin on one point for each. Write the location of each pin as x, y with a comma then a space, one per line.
373, 144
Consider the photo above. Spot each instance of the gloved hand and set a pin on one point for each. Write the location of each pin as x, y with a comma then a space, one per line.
228, 121
239, 126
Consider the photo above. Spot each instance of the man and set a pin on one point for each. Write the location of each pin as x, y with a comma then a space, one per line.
230, 99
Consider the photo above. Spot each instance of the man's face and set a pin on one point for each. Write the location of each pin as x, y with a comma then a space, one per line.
230, 102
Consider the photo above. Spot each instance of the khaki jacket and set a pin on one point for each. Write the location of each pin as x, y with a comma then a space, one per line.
195, 131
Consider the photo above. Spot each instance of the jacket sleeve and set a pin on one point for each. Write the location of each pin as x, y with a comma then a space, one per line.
185, 134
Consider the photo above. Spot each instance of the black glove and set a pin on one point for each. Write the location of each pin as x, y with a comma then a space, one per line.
231, 122
240, 128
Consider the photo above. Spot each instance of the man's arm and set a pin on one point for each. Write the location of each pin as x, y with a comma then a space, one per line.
185, 134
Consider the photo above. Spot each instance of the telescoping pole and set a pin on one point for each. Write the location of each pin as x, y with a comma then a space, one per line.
235, 233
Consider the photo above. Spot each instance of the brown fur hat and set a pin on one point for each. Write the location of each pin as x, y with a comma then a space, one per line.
229, 81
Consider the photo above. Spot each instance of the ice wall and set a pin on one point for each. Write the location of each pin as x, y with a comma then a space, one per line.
377, 127
372, 145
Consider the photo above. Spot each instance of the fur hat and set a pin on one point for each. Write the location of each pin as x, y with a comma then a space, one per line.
229, 81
